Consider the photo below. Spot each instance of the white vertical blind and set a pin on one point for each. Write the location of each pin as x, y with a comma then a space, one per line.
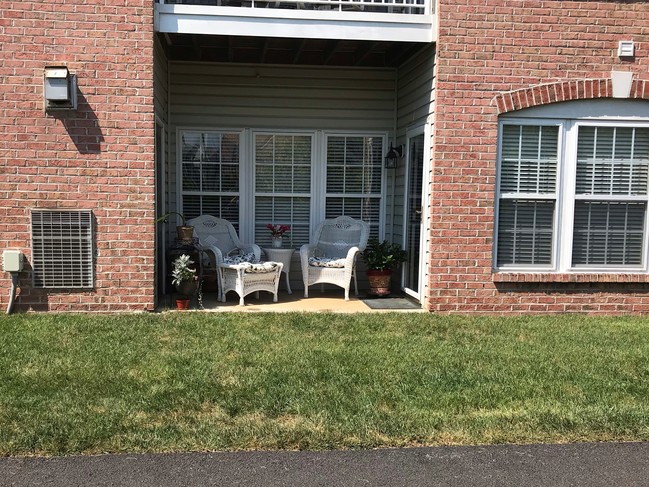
210, 174
612, 172
528, 180
283, 185
354, 170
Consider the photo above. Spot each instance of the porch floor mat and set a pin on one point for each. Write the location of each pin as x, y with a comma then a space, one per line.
391, 303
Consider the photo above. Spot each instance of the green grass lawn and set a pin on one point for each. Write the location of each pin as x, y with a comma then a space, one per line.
192, 381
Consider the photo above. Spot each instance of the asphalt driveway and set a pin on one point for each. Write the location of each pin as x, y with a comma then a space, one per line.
586, 464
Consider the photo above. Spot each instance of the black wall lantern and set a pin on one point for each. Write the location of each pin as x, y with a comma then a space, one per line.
393, 156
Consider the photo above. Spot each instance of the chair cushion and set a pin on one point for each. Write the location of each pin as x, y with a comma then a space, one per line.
261, 267
240, 259
327, 262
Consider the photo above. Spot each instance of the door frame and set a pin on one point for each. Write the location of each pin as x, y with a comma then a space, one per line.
160, 203
425, 130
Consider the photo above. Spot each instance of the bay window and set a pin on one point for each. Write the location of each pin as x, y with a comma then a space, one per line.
572, 195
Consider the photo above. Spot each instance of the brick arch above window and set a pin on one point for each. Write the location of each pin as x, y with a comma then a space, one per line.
581, 89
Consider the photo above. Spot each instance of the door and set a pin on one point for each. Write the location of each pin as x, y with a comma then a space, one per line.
413, 214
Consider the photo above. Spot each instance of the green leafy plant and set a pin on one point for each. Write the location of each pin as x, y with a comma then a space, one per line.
181, 271
384, 255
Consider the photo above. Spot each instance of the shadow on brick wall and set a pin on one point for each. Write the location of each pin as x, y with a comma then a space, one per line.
82, 126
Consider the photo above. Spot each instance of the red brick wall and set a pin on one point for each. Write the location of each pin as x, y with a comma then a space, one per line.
99, 157
486, 50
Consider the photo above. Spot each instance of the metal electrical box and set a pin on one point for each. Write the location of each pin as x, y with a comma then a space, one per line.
12, 261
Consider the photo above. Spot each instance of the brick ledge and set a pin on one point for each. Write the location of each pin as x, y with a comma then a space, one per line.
568, 277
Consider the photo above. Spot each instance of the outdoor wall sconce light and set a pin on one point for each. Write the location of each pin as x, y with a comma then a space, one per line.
393, 156
60, 88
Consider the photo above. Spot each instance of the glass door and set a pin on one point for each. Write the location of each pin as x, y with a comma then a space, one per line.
413, 214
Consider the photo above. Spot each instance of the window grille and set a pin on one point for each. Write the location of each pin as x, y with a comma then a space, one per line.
354, 170
283, 185
573, 195
210, 174
62, 249
528, 176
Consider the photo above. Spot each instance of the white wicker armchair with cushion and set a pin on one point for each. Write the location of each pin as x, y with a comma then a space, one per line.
331, 255
220, 238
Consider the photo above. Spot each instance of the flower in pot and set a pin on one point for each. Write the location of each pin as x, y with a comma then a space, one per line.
184, 232
276, 233
184, 279
381, 258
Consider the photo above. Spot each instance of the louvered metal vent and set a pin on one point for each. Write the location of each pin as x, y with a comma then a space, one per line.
62, 249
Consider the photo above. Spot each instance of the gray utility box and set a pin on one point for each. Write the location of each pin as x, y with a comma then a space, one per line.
60, 88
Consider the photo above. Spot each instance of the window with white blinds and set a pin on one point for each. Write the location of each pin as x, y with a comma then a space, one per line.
354, 170
298, 178
210, 174
573, 195
611, 196
528, 180
283, 186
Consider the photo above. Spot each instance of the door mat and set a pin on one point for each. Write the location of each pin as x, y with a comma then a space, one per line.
391, 303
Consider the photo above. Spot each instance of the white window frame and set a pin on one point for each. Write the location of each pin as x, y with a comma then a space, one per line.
566, 196
179, 167
323, 177
253, 156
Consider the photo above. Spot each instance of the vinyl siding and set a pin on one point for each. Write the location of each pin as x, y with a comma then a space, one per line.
415, 105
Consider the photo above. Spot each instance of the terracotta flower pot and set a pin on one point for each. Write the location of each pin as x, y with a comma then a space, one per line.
182, 303
379, 281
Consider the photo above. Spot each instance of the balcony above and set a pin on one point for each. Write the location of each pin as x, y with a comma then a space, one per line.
362, 20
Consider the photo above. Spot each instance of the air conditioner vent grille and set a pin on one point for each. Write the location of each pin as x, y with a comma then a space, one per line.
62, 249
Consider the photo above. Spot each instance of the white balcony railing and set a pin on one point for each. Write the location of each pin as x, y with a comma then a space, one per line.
409, 7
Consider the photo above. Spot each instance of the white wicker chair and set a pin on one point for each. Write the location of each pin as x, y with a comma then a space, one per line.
340, 239
220, 239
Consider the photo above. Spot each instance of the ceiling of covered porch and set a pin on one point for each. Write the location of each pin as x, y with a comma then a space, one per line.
273, 50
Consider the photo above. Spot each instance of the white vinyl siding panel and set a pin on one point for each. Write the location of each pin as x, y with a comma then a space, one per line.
282, 97
414, 107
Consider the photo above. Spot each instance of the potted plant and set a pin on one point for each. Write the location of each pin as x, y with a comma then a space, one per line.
184, 279
276, 234
381, 258
184, 232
